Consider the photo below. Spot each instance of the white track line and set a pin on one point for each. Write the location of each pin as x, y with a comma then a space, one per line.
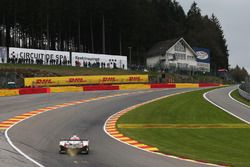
229, 94
205, 96
17, 149
158, 153
31, 159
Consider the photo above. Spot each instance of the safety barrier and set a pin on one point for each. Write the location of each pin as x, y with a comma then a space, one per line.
65, 89
9, 92
85, 80
133, 86
24, 91
201, 85
162, 85
244, 94
186, 85
100, 87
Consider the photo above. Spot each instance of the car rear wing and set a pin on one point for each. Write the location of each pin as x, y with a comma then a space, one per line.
74, 140
67, 141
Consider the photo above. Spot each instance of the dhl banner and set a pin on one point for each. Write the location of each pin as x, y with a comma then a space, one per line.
84, 80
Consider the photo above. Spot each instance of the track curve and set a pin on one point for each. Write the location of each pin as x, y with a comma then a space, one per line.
221, 98
38, 136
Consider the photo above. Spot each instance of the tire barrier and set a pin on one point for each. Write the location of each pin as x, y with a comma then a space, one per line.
24, 91
134, 86
9, 92
100, 87
162, 86
201, 85
85, 80
186, 85
65, 89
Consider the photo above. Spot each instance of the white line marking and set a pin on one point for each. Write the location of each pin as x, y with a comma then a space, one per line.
205, 96
158, 153
229, 94
17, 149
32, 160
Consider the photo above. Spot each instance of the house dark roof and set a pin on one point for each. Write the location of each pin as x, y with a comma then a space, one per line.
161, 47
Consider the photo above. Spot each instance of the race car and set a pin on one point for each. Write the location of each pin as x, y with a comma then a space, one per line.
74, 145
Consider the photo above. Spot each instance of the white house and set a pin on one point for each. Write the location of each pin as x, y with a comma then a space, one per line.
172, 54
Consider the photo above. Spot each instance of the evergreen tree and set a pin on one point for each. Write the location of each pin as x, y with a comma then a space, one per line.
239, 74
77, 25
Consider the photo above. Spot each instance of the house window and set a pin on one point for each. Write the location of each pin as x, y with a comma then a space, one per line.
180, 56
190, 58
182, 66
180, 47
170, 57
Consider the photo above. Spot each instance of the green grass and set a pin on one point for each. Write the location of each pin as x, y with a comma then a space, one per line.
235, 94
224, 146
64, 70
28, 70
188, 108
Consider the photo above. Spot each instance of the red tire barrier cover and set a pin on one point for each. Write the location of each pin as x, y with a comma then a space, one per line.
100, 87
23, 91
163, 86
207, 84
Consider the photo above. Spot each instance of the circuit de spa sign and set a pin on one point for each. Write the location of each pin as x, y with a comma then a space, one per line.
47, 56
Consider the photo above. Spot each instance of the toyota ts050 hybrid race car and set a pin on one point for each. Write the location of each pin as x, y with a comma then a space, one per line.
74, 145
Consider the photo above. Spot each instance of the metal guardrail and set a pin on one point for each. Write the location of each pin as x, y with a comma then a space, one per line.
245, 87
244, 90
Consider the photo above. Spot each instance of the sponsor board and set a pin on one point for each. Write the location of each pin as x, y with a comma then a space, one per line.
47, 56
99, 60
84, 80
3, 55
203, 59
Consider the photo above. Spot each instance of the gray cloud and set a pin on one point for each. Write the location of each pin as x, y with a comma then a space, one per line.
233, 16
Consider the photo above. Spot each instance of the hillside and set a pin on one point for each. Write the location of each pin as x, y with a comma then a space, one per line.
111, 27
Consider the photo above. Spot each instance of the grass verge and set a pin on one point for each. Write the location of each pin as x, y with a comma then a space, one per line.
216, 145
235, 94
48, 70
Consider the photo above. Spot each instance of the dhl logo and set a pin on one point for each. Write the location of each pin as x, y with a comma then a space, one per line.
134, 79
108, 79
43, 81
76, 80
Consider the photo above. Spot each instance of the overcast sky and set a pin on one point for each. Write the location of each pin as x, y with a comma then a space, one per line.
234, 18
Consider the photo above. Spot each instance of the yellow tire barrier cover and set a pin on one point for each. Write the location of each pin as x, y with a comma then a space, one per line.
133, 86
85, 80
9, 92
187, 85
65, 89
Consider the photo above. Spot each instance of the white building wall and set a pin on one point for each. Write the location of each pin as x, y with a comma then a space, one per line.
153, 61
186, 61
169, 62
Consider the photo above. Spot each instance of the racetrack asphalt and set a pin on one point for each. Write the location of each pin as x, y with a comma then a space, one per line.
38, 137
16, 105
221, 98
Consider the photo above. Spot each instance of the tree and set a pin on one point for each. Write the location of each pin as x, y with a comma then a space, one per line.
239, 74
76, 25
194, 11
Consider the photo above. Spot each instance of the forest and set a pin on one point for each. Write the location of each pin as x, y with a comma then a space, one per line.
109, 26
